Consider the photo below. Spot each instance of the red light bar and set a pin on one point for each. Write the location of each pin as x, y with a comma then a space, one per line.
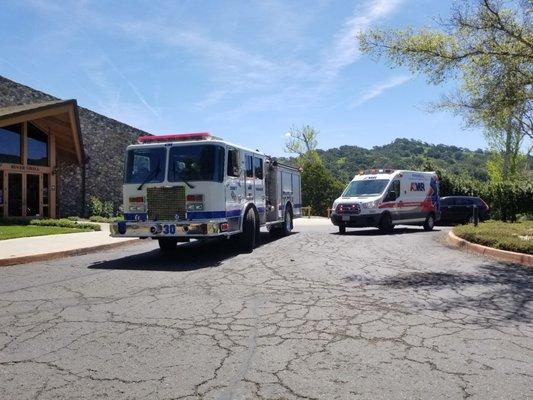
175, 137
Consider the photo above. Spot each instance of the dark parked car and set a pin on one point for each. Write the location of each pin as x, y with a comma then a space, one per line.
459, 209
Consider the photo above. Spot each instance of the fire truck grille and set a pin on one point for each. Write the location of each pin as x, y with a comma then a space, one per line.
164, 203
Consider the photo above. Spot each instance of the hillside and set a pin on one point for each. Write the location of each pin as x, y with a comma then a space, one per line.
345, 161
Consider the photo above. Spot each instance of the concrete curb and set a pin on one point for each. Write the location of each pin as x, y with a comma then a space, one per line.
502, 255
4, 262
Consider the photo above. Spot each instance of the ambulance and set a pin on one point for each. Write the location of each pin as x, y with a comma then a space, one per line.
197, 186
384, 198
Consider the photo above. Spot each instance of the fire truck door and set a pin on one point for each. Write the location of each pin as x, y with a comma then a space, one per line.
249, 186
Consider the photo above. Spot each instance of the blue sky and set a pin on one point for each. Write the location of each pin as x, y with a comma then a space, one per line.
246, 71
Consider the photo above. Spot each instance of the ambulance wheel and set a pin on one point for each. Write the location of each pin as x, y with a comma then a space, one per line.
342, 229
287, 226
385, 225
247, 238
167, 245
430, 222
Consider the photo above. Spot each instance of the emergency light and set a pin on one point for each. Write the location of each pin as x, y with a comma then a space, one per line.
177, 137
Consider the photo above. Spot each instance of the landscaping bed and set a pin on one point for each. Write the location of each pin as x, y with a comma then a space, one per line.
517, 236
10, 229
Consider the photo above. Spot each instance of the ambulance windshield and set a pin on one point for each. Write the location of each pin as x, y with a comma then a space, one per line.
370, 187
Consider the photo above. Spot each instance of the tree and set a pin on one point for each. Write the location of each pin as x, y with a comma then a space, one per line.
301, 141
489, 47
319, 187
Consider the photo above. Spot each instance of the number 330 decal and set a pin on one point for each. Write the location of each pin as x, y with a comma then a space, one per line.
169, 229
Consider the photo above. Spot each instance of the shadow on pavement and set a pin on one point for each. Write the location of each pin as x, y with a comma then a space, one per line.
377, 232
187, 257
502, 291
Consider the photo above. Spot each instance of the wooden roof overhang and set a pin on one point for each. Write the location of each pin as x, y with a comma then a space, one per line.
57, 117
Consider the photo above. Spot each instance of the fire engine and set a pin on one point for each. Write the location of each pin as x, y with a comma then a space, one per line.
197, 186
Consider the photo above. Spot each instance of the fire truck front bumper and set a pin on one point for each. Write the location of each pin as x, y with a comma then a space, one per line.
162, 229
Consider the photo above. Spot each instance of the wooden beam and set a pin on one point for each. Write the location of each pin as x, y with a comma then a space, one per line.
76, 135
48, 123
32, 115
52, 189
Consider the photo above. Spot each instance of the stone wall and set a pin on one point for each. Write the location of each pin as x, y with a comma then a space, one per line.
104, 142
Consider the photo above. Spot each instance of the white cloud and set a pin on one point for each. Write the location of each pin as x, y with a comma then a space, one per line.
345, 50
378, 89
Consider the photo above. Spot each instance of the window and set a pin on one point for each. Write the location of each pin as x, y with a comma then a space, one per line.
446, 202
10, 141
145, 165
370, 187
196, 163
258, 167
233, 163
37, 146
394, 191
461, 201
478, 202
1, 193
249, 167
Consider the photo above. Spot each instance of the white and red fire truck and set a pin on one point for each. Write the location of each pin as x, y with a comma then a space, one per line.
197, 186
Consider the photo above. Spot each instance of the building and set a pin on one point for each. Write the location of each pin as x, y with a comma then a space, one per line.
55, 155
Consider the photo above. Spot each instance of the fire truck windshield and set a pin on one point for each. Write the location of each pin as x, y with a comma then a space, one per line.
145, 165
204, 162
371, 187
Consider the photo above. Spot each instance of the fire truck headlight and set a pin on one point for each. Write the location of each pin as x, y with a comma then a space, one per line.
195, 207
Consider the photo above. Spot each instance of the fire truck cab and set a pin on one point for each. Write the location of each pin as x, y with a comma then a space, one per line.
197, 186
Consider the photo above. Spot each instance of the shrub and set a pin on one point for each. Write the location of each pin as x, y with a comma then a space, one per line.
99, 208
96, 206
512, 236
73, 218
65, 223
98, 218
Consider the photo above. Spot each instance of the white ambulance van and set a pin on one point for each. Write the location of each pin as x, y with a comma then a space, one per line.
384, 198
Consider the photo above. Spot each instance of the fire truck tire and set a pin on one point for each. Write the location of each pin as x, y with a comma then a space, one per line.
167, 245
430, 222
247, 238
287, 226
342, 229
385, 225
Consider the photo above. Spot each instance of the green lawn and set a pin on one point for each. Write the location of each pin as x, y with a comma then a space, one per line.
516, 236
18, 231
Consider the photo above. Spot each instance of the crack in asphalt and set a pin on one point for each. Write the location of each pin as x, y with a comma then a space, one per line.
310, 316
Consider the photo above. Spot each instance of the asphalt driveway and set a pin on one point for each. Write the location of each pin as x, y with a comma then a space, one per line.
311, 316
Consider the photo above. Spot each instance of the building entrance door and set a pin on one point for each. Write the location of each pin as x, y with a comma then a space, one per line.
33, 195
14, 201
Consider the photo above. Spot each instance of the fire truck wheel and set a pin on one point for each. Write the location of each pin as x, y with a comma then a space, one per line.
342, 229
430, 223
167, 245
385, 225
248, 236
287, 226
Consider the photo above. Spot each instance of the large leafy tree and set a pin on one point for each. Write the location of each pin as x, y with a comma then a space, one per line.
488, 46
